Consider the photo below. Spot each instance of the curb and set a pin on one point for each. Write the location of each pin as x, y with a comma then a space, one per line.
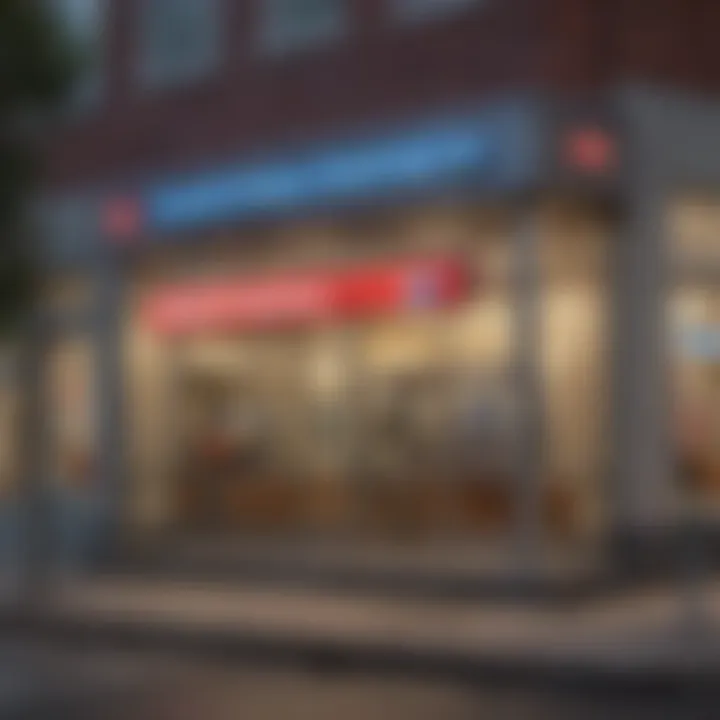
550, 592
346, 655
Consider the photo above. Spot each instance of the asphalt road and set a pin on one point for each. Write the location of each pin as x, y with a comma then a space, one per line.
41, 682
222, 694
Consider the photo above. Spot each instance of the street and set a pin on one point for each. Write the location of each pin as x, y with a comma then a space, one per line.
225, 694
44, 682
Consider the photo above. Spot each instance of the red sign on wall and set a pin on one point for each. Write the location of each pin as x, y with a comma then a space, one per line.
122, 219
590, 150
306, 297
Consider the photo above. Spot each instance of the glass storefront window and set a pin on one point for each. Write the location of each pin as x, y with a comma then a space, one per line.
9, 421
694, 336
72, 415
575, 358
262, 425
400, 424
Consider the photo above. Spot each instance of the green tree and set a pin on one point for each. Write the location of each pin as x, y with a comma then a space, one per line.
38, 62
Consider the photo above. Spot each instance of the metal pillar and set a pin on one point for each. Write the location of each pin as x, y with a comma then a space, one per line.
109, 404
642, 478
528, 344
34, 509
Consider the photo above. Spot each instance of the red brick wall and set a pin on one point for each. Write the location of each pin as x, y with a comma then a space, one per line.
673, 41
594, 42
382, 70
571, 44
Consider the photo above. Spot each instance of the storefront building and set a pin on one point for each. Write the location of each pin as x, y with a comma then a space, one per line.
453, 327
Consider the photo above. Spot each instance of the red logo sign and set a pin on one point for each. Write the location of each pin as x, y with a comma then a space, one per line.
300, 298
122, 219
591, 150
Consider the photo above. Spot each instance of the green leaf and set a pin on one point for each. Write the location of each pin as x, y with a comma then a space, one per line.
38, 63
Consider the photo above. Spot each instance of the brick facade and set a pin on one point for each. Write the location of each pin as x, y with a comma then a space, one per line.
381, 70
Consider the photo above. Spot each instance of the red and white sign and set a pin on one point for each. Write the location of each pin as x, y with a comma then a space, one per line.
306, 297
590, 150
122, 219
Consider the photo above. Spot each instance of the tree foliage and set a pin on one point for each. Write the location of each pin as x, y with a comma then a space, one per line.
38, 62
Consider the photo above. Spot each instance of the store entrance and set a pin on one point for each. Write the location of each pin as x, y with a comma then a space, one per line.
243, 435
223, 446
373, 401
697, 391
371, 431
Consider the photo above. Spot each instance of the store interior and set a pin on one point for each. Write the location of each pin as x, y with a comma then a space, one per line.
694, 341
402, 425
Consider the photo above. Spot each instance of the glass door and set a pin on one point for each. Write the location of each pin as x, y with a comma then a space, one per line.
694, 333
74, 485
263, 433
696, 404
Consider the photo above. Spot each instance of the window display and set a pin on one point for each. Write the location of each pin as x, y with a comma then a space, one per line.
9, 407
575, 361
694, 333
72, 420
375, 397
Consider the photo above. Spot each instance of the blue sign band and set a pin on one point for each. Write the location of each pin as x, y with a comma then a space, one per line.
413, 160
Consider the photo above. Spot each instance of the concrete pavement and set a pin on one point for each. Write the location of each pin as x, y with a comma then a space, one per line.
40, 681
636, 639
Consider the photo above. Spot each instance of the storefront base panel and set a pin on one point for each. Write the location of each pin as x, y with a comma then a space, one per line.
671, 551
447, 569
423, 513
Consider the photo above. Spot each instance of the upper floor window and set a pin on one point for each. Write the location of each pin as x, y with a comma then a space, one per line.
84, 21
412, 10
179, 40
288, 25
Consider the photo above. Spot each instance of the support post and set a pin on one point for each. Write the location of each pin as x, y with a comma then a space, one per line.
109, 404
34, 508
528, 356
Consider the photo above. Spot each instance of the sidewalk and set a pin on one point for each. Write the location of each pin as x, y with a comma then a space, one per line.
636, 639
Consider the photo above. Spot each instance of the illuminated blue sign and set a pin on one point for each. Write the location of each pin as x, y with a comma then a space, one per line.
700, 342
417, 159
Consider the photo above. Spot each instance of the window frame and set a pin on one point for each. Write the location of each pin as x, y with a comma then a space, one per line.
417, 12
277, 38
153, 71
91, 84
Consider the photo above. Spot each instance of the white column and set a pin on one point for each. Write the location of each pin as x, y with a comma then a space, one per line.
642, 488
36, 536
528, 338
109, 397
